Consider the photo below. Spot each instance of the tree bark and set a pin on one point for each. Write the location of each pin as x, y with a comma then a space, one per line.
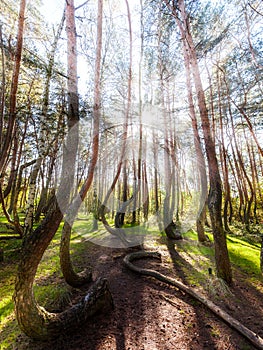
2, 86
34, 320
215, 193
119, 232
7, 142
200, 220
73, 278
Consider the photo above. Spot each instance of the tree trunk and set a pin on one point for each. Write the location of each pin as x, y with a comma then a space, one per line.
7, 141
34, 320
2, 87
73, 278
145, 192
223, 156
169, 166
215, 193
120, 232
200, 220
43, 136
261, 255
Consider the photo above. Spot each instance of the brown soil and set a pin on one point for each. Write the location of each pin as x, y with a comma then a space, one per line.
150, 315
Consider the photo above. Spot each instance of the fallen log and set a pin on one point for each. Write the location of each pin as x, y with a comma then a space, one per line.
231, 321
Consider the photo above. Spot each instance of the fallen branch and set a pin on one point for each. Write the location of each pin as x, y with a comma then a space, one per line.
247, 333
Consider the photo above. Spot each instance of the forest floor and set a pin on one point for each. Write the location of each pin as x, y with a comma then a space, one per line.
150, 315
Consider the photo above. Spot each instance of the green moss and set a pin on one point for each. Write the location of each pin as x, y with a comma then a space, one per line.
244, 255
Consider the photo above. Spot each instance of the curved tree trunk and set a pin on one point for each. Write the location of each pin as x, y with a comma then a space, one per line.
34, 320
215, 194
73, 278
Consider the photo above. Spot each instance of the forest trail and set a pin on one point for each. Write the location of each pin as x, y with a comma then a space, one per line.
150, 315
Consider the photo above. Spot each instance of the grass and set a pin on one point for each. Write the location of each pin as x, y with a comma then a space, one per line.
50, 290
53, 293
196, 258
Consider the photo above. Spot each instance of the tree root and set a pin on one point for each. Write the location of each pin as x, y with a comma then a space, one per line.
48, 326
232, 322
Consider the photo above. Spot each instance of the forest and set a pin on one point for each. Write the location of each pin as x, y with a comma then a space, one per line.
131, 174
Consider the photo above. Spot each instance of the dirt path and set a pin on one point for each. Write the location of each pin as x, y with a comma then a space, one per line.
150, 315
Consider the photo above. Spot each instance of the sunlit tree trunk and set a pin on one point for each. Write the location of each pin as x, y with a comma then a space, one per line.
9, 137
215, 193
169, 165
223, 155
73, 278
43, 201
255, 164
123, 192
200, 220
34, 320
145, 192
139, 167
2, 86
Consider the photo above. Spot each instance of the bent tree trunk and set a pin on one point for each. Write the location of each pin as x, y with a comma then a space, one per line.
73, 278
34, 320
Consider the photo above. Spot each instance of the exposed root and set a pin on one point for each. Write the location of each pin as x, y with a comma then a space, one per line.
232, 322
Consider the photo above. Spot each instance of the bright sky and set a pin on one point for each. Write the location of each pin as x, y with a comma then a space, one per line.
52, 10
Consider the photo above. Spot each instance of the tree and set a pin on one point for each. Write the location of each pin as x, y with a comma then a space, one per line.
119, 231
215, 192
200, 221
73, 278
34, 320
43, 135
9, 137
